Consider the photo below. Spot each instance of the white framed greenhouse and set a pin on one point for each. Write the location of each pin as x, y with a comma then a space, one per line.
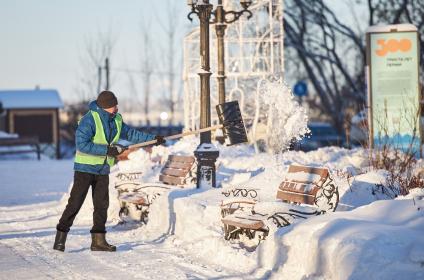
254, 52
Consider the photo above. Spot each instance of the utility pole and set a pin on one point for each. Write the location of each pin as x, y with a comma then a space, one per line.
147, 95
99, 82
107, 73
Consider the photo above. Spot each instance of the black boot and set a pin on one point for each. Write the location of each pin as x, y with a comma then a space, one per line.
59, 241
99, 243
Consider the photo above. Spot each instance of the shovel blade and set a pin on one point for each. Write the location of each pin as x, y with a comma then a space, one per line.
230, 117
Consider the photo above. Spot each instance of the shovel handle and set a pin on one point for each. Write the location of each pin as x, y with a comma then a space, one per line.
176, 136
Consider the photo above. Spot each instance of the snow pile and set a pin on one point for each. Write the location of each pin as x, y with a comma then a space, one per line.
369, 236
14, 152
190, 219
382, 240
286, 119
140, 161
4, 134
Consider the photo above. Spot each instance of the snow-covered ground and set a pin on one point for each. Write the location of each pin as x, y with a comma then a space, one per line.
31, 181
27, 230
368, 237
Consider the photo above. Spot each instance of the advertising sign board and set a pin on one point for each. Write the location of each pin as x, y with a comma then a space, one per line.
393, 86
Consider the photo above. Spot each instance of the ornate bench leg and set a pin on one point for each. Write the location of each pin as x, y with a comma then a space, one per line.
144, 216
235, 233
123, 212
250, 233
229, 232
226, 232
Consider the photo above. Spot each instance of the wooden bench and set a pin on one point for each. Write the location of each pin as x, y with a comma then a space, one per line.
239, 198
137, 196
306, 191
309, 185
178, 170
24, 141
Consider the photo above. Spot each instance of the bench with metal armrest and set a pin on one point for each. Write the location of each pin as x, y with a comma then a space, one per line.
305, 192
136, 197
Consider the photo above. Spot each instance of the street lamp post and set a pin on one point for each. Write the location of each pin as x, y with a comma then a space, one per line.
222, 18
220, 27
204, 10
206, 153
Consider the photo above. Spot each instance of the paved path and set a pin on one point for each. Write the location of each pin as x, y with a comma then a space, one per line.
26, 238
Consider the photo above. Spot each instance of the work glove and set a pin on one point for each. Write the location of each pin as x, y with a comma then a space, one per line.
115, 150
159, 140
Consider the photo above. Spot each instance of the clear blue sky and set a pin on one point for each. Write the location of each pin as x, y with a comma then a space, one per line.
42, 40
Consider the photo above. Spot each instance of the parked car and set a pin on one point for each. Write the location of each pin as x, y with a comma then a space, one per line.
359, 128
321, 135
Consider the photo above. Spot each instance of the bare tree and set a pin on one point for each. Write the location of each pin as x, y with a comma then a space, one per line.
98, 48
332, 54
172, 59
326, 46
146, 71
147, 58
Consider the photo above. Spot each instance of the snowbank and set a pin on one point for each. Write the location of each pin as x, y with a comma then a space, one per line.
382, 240
4, 134
370, 236
368, 230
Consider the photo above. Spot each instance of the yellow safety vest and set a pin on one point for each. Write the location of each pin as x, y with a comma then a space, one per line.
100, 138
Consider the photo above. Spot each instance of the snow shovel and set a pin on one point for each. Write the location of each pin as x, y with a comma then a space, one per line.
232, 124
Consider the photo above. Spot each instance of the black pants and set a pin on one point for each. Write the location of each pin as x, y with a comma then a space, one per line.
100, 193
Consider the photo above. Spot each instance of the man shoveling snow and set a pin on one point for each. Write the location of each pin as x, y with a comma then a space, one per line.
96, 141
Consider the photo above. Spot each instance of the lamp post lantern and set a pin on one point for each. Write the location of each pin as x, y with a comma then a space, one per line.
206, 153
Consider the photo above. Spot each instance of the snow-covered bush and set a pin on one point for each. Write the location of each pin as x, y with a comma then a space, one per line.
286, 121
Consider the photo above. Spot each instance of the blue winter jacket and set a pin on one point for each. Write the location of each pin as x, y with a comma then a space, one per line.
85, 133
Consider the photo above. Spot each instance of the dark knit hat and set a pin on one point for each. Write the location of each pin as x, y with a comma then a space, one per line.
106, 99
